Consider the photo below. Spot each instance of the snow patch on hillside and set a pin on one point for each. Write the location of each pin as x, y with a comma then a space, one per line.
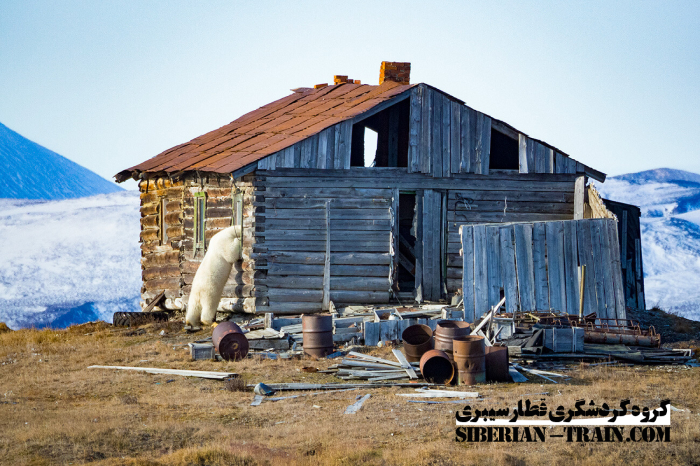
670, 224
69, 261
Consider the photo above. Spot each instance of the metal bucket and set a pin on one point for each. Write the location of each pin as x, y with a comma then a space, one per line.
436, 367
417, 339
497, 364
318, 334
469, 354
230, 341
448, 330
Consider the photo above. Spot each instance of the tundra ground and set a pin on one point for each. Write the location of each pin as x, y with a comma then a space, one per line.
53, 410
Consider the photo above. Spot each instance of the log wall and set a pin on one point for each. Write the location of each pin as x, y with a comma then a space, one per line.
171, 267
160, 263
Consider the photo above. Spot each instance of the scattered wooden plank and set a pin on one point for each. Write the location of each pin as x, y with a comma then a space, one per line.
184, 373
440, 394
356, 406
404, 363
516, 376
375, 359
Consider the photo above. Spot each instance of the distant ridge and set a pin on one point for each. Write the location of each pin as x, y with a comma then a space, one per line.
660, 175
31, 171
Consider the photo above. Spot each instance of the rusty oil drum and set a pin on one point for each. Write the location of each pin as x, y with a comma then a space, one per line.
436, 367
318, 334
417, 339
497, 364
470, 358
230, 341
448, 330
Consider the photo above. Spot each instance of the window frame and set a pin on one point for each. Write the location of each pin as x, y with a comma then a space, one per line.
163, 234
200, 225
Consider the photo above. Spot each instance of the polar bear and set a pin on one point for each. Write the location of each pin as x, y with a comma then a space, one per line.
208, 284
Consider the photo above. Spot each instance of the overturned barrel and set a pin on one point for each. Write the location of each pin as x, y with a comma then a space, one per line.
417, 339
448, 330
317, 330
229, 341
470, 358
436, 367
497, 364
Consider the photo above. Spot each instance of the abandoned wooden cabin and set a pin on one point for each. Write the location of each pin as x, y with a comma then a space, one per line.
324, 219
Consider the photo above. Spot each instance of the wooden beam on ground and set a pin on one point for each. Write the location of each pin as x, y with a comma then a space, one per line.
405, 364
154, 370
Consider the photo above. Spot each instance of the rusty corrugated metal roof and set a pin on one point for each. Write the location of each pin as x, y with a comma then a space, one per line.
268, 129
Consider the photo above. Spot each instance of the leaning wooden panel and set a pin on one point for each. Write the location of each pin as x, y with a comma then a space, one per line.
481, 296
585, 257
539, 256
510, 282
598, 258
524, 266
495, 283
467, 232
571, 267
617, 270
555, 262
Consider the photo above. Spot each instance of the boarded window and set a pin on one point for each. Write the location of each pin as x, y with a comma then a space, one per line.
237, 216
163, 223
200, 207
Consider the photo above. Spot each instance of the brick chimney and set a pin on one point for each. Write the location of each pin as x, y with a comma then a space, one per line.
398, 72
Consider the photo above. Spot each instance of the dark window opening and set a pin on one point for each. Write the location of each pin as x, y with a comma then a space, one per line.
407, 242
504, 152
391, 127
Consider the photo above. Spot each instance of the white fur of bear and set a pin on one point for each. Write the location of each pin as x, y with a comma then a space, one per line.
208, 284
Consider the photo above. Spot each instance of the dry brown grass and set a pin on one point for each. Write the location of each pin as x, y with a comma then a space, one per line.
55, 411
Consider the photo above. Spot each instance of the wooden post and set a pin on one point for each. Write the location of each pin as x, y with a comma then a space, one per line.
581, 289
327, 261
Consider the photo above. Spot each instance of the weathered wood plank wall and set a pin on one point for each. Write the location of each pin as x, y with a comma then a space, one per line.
630, 246
535, 198
445, 137
303, 218
539, 267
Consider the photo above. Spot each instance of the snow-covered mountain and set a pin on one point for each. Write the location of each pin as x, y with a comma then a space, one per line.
70, 261
670, 204
31, 171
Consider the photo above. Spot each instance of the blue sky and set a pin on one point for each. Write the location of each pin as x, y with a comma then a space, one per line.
109, 84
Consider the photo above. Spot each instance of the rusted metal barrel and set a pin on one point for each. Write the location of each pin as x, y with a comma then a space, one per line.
436, 367
470, 358
318, 334
417, 339
497, 364
448, 330
230, 341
